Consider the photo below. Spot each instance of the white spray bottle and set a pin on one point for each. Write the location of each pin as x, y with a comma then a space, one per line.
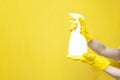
78, 44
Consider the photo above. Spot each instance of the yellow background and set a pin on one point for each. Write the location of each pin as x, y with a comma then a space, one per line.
34, 37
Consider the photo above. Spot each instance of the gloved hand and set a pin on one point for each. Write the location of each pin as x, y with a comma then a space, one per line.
99, 62
83, 31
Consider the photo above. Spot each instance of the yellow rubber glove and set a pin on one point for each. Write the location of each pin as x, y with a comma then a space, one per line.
98, 61
83, 30
74, 24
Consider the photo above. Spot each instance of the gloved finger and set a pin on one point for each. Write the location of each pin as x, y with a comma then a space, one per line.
89, 56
